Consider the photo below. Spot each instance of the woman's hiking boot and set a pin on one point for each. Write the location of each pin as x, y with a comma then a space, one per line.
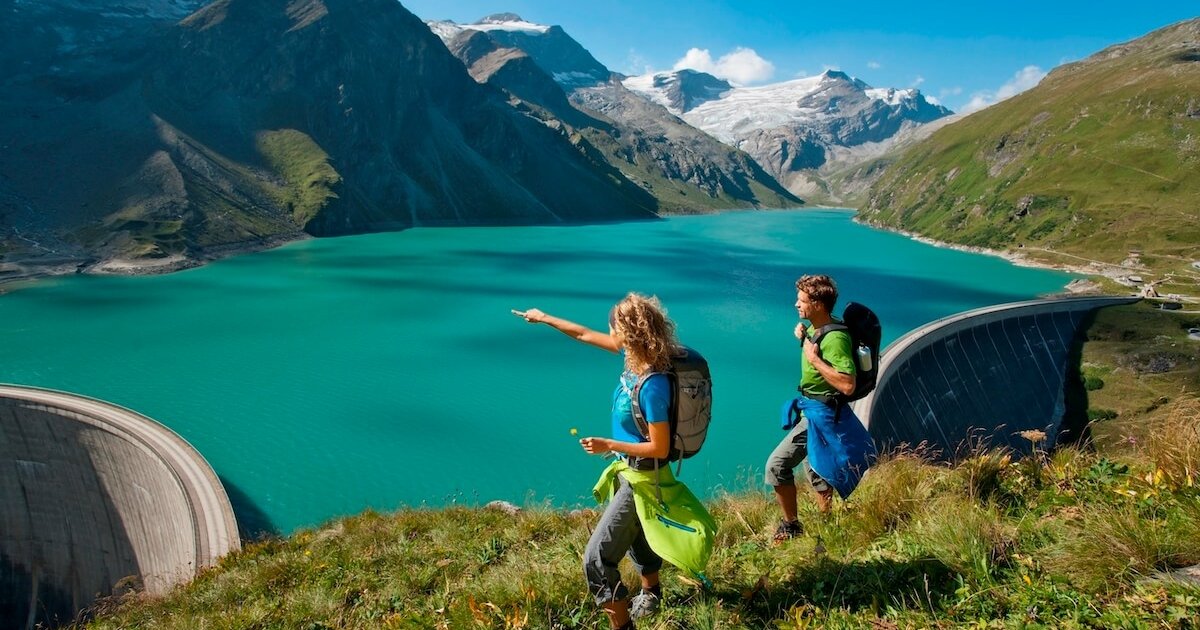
788, 530
644, 603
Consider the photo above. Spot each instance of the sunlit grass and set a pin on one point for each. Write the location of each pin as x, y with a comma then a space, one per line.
1072, 539
1078, 537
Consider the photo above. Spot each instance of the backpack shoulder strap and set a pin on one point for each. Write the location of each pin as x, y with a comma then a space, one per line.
639, 417
835, 399
833, 326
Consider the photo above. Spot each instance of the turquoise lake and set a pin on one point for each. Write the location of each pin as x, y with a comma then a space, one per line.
385, 370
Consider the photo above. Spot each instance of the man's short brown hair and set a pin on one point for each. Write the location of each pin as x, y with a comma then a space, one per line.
819, 288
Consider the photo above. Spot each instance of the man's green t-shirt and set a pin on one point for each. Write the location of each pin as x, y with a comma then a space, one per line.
836, 351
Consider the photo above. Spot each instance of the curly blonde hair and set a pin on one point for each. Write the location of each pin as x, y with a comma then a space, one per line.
646, 332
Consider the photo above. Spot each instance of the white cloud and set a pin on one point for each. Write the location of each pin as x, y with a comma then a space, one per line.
743, 66
636, 64
977, 102
829, 66
917, 81
954, 91
1024, 79
932, 99
874, 65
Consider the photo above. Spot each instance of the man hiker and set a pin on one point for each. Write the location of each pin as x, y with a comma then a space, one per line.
823, 433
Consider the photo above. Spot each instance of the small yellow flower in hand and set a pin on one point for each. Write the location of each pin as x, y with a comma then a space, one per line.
574, 431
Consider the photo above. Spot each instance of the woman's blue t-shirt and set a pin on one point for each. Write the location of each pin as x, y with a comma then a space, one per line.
655, 400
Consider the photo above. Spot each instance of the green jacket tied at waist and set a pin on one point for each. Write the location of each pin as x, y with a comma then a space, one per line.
679, 528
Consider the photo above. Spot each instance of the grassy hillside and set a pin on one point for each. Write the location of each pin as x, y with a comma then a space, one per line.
1101, 158
306, 169
1080, 538
1137, 364
1071, 540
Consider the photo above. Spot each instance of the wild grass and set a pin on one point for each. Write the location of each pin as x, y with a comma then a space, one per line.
304, 166
1172, 444
895, 490
1079, 537
970, 538
1073, 539
1109, 546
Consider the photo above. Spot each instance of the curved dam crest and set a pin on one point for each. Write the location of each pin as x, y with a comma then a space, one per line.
93, 495
981, 377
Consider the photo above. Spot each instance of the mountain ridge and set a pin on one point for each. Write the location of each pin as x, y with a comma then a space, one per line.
661, 153
796, 129
1097, 161
250, 123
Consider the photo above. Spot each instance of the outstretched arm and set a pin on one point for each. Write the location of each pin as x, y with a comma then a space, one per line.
578, 332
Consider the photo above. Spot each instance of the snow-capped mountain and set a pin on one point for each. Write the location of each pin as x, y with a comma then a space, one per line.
792, 128
446, 29
543, 67
844, 109
679, 91
570, 64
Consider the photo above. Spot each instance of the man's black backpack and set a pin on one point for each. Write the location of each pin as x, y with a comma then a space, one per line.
862, 325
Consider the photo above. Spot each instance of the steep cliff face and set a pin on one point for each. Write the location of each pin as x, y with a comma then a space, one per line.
556, 52
415, 140
666, 148
257, 120
685, 169
515, 72
1097, 160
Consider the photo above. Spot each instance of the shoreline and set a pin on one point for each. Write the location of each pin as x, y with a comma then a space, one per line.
1021, 259
19, 273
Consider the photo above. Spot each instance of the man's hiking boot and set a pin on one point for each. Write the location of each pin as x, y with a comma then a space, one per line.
644, 603
788, 530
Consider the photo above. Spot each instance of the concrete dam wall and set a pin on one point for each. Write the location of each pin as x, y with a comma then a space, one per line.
92, 495
983, 376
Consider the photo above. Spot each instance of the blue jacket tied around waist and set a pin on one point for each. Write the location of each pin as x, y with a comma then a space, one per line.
839, 447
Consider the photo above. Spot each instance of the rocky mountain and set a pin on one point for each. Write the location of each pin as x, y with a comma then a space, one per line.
66, 70
548, 72
557, 53
795, 129
128, 136
1099, 159
680, 91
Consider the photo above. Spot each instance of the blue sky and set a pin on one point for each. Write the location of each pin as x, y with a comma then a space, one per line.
963, 55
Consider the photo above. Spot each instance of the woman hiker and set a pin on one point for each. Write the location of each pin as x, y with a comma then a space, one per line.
638, 329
